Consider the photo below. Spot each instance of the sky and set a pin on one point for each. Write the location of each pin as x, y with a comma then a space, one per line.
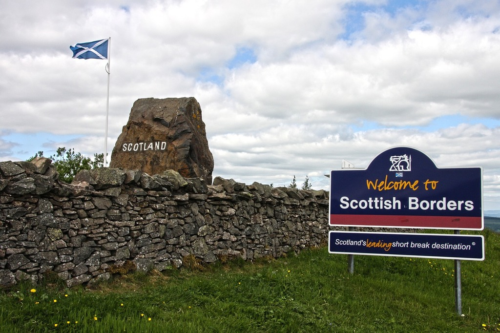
287, 87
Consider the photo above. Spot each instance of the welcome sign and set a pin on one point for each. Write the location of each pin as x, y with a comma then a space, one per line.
402, 188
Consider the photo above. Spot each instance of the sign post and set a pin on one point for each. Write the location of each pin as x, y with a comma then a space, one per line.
458, 283
350, 259
402, 188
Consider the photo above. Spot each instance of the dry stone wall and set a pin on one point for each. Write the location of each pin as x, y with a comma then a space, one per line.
112, 220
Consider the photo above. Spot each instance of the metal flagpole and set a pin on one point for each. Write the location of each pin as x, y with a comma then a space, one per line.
108, 70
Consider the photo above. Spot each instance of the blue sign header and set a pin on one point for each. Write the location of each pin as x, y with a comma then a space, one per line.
403, 188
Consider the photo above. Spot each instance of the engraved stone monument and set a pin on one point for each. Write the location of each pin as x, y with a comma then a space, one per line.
164, 134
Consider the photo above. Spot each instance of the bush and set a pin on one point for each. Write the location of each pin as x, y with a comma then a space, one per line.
68, 163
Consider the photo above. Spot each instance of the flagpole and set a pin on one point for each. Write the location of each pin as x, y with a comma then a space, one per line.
108, 70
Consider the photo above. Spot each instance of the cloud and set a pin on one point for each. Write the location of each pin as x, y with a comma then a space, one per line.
5, 147
277, 158
421, 74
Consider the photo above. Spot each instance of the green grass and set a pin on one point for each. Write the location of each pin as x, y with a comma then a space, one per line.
311, 292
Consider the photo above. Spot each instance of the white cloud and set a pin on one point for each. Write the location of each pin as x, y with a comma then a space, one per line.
407, 80
5, 147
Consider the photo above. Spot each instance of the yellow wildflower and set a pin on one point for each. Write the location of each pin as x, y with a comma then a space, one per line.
33, 290
55, 301
149, 319
55, 325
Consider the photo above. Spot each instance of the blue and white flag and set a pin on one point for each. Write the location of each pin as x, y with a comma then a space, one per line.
91, 50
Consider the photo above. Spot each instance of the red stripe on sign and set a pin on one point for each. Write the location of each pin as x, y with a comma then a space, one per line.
436, 222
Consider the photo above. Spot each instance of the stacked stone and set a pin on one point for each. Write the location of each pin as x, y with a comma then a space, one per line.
111, 221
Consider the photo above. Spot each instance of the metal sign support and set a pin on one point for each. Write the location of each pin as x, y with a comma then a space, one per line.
350, 258
458, 284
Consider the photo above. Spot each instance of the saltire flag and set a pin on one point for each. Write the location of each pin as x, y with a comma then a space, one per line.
92, 50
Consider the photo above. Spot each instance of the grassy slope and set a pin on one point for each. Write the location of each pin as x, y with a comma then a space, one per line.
309, 293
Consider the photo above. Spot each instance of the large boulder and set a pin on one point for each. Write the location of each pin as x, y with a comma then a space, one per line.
164, 134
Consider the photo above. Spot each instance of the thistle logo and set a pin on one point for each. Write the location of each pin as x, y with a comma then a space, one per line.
400, 163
